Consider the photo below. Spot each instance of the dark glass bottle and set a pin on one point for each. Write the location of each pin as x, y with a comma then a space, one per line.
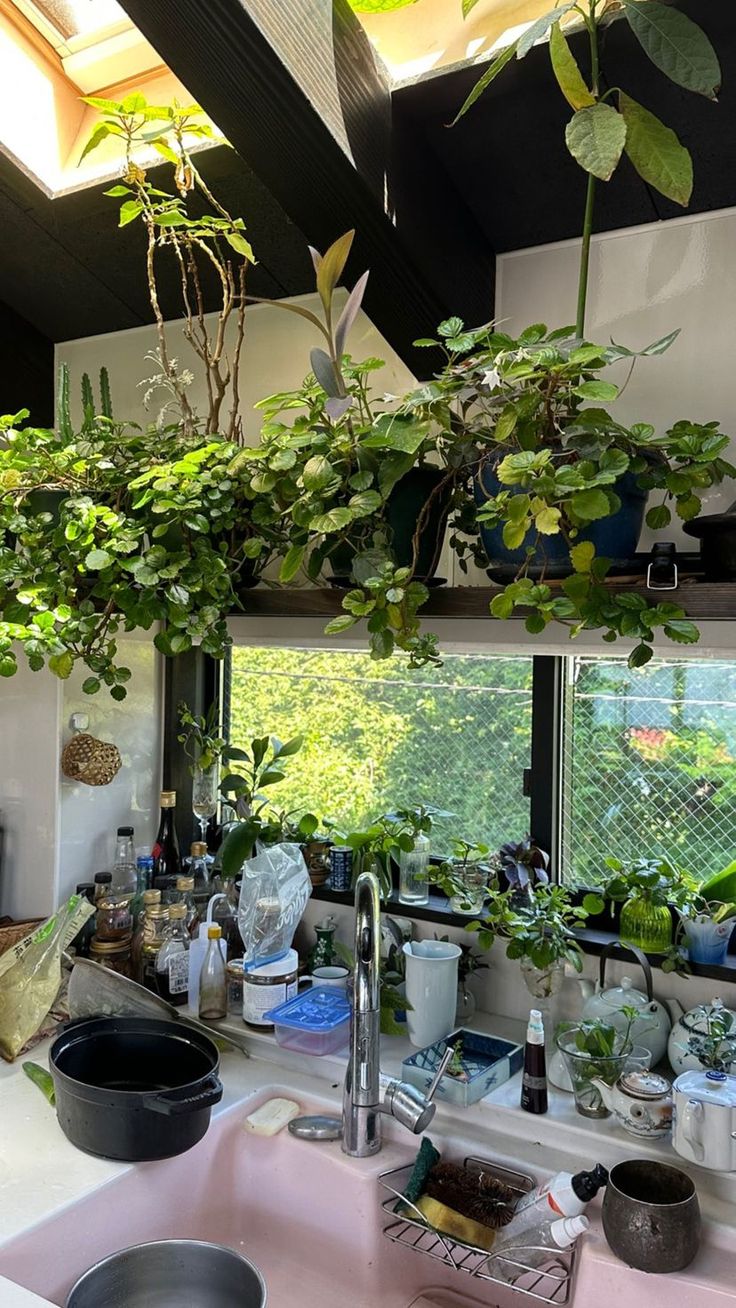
81, 941
165, 852
534, 1078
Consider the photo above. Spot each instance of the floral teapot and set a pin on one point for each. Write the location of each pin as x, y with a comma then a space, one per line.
651, 1027
703, 1038
641, 1103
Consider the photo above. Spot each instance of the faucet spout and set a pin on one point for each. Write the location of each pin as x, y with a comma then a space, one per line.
363, 1102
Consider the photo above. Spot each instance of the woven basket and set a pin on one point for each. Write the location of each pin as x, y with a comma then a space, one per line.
11, 932
94, 762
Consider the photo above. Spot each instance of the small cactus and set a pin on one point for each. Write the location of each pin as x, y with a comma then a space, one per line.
105, 396
88, 403
63, 411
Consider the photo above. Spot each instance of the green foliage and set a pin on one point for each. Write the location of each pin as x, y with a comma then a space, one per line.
656, 881
390, 603
259, 766
716, 1047
541, 931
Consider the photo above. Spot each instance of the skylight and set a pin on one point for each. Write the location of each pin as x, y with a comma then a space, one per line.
70, 25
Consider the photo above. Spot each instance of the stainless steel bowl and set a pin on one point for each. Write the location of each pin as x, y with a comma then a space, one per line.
171, 1274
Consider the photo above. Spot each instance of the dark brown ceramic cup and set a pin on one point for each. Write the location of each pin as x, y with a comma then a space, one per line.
651, 1216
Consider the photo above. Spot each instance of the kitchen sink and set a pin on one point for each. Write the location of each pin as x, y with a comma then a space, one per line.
311, 1220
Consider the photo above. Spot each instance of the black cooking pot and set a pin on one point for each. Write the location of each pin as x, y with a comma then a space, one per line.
134, 1088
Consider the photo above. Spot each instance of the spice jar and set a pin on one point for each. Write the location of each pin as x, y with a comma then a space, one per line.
234, 973
113, 954
114, 919
157, 917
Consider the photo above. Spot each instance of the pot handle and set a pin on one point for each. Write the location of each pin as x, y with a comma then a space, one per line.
641, 959
174, 1102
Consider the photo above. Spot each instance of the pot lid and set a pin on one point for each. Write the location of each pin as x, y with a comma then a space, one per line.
644, 1085
713, 1087
626, 993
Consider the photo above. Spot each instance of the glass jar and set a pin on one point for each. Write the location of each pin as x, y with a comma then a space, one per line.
114, 919
646, 926
585, 1069
113, 954
234, 971
156, 919
473, 879
414, 872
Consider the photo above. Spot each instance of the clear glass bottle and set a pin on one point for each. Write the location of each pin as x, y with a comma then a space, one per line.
414, 872
172, 961
198, 867
213, 979
103, 881
225, 914
151, 899
185, 895
124, 868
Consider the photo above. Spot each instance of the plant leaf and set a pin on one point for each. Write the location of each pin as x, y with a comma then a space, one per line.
331, 266
656, 153
98, 136
325, 372
238, 243
675, 45
350, 313
292, 308
589, 505
538, 29
595, 138
292, 562
565, 68
468, 6
496, 66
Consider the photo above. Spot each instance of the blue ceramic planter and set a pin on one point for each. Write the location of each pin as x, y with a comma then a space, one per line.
615, 537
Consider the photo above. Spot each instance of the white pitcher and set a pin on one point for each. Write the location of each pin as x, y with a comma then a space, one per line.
704, 1129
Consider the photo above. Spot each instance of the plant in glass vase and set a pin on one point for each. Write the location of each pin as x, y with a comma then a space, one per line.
648, 888
595, 1051
541, 935
466, 876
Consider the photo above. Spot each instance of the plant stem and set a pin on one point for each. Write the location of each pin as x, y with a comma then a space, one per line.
592, 25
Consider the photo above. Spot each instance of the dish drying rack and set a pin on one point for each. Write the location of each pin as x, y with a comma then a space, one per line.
551, 1283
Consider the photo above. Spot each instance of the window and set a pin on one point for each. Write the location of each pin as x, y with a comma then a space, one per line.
649, 764
380, 735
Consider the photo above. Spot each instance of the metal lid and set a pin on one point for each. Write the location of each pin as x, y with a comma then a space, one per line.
151, 897
177, 911
198, 849
97, 946
644, 1085
168, 798
185, 883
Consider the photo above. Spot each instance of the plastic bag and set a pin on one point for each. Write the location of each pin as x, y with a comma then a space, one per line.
273, 897
30, 975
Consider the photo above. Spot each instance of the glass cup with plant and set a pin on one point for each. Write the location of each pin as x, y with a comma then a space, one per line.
466, 876
596, 1050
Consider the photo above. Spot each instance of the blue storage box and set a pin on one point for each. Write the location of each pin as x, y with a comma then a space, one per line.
315, 1022
486, 1061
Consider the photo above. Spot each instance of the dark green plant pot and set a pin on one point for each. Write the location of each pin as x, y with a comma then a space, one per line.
404, 508
646, 926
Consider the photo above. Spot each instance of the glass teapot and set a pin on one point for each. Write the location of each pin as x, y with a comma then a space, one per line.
652, 1027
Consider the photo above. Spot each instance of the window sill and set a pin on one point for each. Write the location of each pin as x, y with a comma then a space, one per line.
592, 941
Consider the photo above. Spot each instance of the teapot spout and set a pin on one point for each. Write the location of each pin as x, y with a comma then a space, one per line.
607, 1092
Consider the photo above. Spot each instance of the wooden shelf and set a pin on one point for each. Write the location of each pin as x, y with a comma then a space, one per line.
700, 600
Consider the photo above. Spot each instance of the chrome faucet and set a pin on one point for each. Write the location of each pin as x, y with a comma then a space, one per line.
363, 1102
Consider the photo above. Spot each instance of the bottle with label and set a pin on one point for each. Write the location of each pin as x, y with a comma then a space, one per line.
165, 852
564, 1195
172, 961
213, 979
535, 1247
534, 1077
185, 895
103, 881
156, 918
198, 867
124, 869
150, 899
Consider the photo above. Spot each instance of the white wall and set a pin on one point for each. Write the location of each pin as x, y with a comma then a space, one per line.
30, 705
645, 282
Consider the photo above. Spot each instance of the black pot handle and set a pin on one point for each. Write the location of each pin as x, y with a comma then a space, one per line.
174, 1102
641, 959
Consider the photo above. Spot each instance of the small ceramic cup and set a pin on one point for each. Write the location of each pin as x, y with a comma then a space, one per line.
335, 976
431, 990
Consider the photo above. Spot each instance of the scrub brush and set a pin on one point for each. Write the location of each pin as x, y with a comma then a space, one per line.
476, 1195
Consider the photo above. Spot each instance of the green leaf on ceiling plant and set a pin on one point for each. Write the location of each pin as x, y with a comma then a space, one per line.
380, 6
325, 372
537, 30
595, 138
468, 5
675, 45
330, 268
565, 68
496, 66
394, 431
656, 153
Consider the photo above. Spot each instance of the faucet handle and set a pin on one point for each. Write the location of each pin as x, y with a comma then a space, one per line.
443, 1065
408, 1105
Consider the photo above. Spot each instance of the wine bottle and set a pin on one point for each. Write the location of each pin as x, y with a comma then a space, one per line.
165, 852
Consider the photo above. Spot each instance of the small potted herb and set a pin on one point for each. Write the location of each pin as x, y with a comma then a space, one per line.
599, 1051
465, 876
523, 864
647, 888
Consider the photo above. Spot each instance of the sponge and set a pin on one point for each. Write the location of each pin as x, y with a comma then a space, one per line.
425, 1160
446, 1220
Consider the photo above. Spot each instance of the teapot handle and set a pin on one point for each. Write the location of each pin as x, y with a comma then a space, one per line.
641, 959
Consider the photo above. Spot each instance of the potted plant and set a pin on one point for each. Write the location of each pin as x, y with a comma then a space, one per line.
259, 767
541, 935
524, 865
465, 876
596, 1051
647, 889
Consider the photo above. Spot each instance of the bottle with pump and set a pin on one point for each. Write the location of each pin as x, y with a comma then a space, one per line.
213, 979
534, 1078
165, 852
564, 1195
535, 1247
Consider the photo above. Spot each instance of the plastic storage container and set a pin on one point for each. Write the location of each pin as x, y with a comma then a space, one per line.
316, 1022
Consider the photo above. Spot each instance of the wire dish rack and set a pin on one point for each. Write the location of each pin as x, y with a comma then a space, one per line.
551, 1282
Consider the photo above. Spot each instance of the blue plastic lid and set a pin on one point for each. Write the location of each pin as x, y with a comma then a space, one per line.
318, 1009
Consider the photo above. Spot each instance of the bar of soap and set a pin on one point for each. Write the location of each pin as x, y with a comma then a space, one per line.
272, 1116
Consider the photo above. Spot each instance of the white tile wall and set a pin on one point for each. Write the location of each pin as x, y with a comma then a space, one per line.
30, 706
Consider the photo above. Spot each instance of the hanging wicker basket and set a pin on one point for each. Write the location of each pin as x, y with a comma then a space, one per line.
94, 762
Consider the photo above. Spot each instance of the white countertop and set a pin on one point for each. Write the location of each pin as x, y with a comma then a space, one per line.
41, 1172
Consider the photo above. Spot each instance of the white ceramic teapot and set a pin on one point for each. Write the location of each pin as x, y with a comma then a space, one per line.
641, 1102
652, 1027
690, 1027
704, 1130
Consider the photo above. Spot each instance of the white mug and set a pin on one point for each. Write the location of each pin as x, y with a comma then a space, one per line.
334, 977
431, 990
